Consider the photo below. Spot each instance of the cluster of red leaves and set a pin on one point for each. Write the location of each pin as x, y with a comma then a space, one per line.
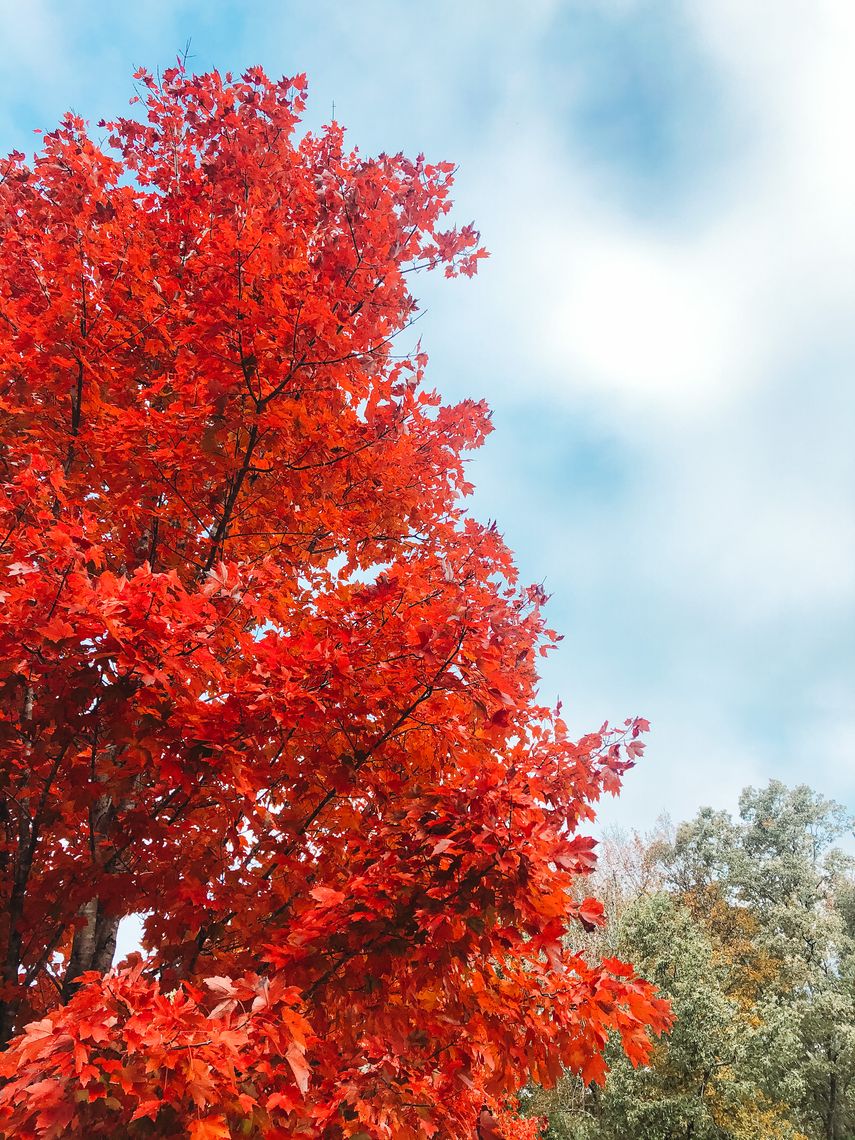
181, 1062
262, 679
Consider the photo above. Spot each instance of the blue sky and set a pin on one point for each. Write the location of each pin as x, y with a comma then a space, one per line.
664, 329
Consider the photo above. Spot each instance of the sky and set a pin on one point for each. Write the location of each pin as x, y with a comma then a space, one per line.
664, 328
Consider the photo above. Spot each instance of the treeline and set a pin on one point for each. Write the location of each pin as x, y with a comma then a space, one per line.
748, 926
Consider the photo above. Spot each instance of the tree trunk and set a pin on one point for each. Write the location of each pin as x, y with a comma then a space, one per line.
92, 947
94, 941
831, 1119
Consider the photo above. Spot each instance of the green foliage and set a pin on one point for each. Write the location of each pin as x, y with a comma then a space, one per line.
748, 927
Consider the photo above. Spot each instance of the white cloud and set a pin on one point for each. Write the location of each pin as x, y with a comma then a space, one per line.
647, 320
677, 315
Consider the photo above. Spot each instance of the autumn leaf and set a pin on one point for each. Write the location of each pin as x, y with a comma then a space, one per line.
296, 1059
210, 1128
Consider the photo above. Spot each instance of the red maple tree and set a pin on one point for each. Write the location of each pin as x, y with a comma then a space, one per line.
263, 680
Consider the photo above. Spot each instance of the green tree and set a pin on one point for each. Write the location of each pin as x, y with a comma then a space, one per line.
748, 926
778, 866
700, 1084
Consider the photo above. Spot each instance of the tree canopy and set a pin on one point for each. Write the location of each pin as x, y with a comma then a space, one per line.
747, 926
264, 681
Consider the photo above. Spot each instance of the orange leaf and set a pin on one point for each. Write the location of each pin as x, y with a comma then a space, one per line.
210, 1128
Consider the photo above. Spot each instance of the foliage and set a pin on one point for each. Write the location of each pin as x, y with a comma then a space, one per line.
699, 1083
747, 927
263, 680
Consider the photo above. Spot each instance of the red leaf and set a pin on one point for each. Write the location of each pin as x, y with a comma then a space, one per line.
299, 1067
